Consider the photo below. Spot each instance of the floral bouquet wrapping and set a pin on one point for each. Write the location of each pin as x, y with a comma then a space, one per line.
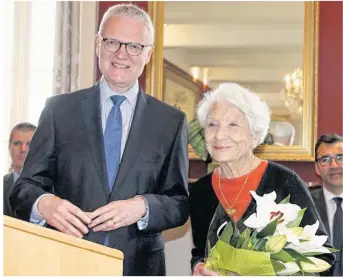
272, 244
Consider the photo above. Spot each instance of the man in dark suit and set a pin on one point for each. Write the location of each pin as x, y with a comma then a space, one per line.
18, 147
109, 163
328, 197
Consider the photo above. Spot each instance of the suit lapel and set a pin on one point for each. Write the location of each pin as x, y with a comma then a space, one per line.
92, 121
319, 200
138, 127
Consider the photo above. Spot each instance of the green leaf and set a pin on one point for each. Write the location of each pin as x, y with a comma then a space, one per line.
277, 265
246, 233
247, 244
301, 268
253, 239
209, 245
333, 250
235, 237
240, 242
269, 230
260, 245
282, 256
227, 233
311, 254
296, 222
298, 257
246, 238
286, 200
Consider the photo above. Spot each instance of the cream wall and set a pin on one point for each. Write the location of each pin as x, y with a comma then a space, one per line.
178, 246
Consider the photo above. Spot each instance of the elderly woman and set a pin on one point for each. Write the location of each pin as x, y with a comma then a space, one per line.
236, 121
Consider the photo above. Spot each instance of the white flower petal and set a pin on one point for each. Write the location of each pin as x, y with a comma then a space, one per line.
253, 222
291, 237
308, 247
319, 240
309, 231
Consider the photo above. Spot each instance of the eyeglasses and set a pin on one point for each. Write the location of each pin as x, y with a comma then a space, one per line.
113, 45
327, 160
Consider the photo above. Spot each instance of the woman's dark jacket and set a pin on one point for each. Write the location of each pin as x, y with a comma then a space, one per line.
204, 204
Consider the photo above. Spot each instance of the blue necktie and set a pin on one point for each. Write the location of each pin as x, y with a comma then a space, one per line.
112, 139
338, 236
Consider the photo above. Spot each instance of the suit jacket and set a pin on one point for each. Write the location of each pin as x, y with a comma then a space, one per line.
276, 178
8, 182
67, 158
319, 201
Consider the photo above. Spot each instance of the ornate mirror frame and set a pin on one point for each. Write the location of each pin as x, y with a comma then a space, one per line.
305, 152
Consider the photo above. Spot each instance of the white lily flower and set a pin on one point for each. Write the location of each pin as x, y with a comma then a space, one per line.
267, 211
261, 218
309, 231
291, 236
313, 243
291, 268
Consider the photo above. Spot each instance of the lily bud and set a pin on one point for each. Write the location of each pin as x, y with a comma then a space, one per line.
318, 266
290, 269
276, 244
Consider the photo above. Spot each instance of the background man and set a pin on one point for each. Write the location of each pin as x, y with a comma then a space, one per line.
328, 198
284, 134
114, 158
18, 146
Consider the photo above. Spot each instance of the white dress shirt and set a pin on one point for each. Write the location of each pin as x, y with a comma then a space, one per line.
127, 109
15, 175
331, 207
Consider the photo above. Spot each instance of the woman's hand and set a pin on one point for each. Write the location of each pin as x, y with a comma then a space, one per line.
201, 270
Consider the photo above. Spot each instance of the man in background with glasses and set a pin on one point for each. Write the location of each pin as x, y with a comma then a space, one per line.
110, 163
328, 198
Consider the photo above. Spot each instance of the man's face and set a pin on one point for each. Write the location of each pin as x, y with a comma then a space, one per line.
120, 69
19, 147
227, 133
332, 175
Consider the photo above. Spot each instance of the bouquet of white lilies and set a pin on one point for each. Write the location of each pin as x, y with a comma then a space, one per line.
272, 244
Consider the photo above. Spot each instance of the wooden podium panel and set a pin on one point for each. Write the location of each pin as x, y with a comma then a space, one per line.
34, 250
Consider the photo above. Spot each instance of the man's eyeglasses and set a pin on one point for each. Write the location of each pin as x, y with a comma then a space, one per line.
327, 160
113, 45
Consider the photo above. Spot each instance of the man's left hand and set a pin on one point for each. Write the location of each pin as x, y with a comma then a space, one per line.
117, 214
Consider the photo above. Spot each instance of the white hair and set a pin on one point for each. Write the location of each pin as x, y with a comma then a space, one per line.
131, 11
284, 130
256, 112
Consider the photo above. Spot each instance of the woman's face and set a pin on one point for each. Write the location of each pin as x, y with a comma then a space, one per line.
227, 133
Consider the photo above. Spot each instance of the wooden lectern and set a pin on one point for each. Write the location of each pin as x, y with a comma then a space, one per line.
34, 250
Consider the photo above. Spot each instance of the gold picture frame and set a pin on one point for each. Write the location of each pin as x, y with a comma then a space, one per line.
304, 152
180, 90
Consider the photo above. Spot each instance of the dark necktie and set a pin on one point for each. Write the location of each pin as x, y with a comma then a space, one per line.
112, 139
338, 236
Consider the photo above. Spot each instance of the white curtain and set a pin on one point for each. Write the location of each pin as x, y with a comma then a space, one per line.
67, 47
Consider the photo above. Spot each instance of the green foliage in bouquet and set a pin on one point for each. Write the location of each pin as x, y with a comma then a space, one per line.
196, 138
280, 247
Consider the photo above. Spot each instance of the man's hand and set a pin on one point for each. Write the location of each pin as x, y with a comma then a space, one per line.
117, 214
201, 270
64, 216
